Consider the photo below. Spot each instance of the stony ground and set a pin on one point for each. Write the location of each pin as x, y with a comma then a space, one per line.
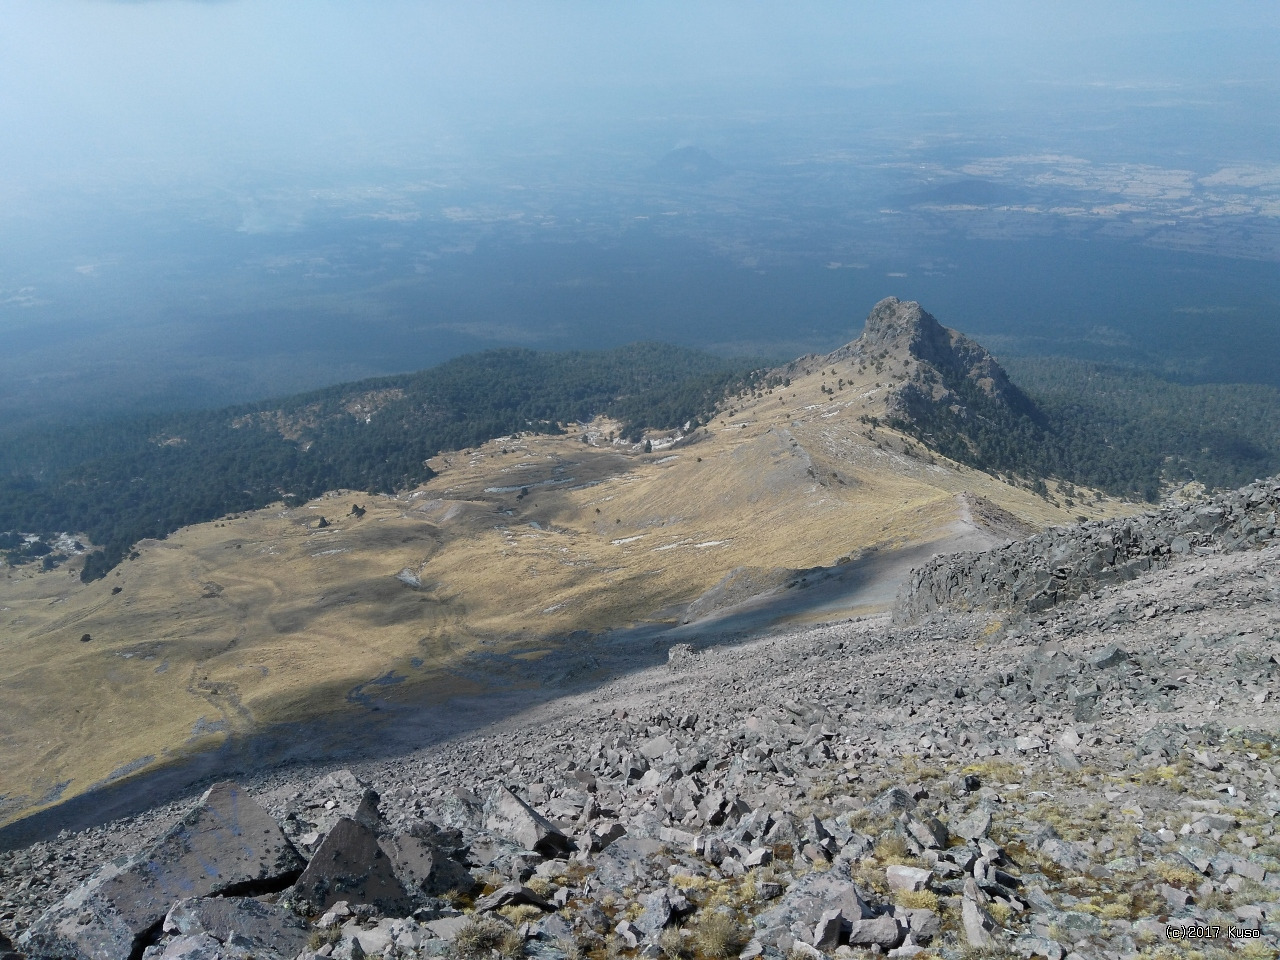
1098, 780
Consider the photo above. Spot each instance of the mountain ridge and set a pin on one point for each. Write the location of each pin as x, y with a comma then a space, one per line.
513, 568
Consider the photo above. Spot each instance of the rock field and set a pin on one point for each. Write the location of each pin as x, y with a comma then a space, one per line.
1094, 777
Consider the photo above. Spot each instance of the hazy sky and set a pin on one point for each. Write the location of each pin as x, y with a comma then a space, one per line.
104, 90
179, 178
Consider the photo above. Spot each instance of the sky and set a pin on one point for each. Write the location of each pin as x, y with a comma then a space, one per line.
96, 92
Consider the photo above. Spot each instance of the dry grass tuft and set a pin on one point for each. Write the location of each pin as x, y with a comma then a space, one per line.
541, 886
481, 937
917, 900
672, 944
892, 848
1178, 874
518, 913
717, 934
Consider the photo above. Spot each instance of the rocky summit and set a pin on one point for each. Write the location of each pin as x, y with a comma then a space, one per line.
981, 774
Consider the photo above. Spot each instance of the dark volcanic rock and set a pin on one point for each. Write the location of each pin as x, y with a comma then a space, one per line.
226, 844
423, 868
1046, 569
268, 931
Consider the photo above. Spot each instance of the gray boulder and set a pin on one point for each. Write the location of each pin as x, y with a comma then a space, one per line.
883, 931
269, 932
422, 867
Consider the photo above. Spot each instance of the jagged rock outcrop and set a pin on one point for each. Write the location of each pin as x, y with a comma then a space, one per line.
1040, 571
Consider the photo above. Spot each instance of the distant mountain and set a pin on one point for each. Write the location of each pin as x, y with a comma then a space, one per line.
945, 369
688, 165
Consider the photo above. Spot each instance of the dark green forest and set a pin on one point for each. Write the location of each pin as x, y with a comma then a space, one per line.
126, 480
1123, 430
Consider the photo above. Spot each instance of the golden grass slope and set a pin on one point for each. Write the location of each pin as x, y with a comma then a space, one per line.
254, 619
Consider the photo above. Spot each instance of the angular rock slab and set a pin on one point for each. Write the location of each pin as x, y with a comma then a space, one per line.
508, 816
423, 867
910, 879
227, 842
512, 894
350, 865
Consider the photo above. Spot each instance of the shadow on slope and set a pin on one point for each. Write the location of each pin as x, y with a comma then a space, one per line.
375, 725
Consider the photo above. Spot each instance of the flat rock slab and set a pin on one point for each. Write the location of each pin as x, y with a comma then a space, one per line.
227, 842
350, 865
512, 893
268, 931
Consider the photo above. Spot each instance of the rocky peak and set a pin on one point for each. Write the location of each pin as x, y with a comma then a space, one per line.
907, 330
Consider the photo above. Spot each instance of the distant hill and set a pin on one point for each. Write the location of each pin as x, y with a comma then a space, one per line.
1083, 425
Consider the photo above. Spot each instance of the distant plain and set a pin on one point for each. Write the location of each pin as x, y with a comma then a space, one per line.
763, 234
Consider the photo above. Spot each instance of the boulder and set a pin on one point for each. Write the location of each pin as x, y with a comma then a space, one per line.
883, 931
198, 946
806, 900
423, 868
910, 879
227, 842
826, 935
508, 816
979, 925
